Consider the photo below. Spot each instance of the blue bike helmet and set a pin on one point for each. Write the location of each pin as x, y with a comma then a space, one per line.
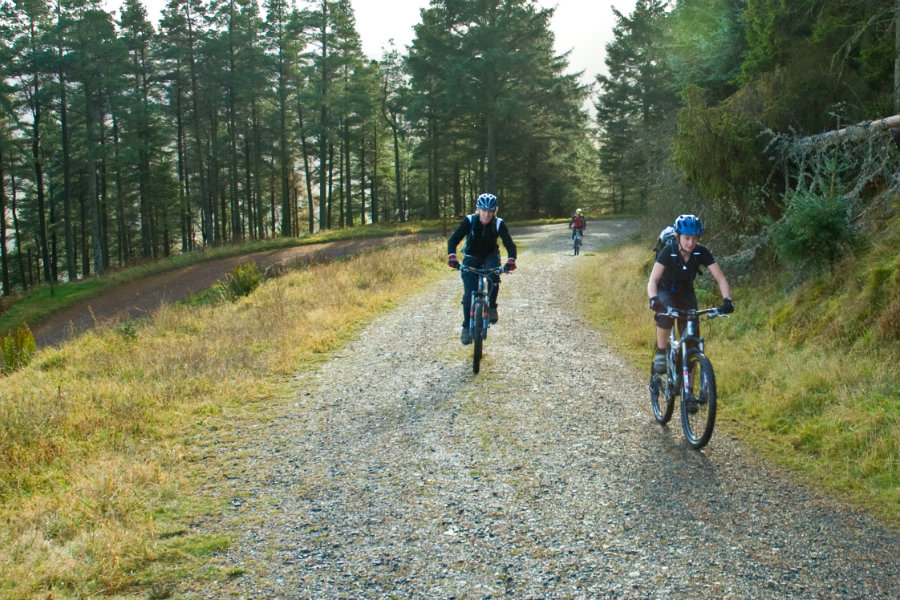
688, 225
486, 202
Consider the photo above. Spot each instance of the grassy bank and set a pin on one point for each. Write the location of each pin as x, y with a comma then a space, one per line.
99, 440
45, 299
807, 372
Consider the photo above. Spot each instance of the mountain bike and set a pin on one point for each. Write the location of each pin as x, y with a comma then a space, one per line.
478, 310
688, 373
576, 242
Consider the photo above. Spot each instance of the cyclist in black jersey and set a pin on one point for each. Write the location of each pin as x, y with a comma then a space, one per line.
672, 280
481, 231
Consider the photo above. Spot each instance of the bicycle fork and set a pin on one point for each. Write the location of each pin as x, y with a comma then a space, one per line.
483, 292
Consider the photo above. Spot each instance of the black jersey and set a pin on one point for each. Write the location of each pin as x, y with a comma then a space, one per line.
679, 275
481, 240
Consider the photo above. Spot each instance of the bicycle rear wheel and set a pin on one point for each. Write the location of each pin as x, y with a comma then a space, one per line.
698, 411
662, 397
477, 333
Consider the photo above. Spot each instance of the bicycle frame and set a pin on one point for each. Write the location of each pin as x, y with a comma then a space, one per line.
478, 303
698, 402
688, 343
483, 292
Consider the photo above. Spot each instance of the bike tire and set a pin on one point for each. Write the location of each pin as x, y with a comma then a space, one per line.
577, 245
698, 424
477, 333
662, 397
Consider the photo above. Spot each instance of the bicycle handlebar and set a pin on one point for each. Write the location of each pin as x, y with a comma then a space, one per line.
483, 271
711, 313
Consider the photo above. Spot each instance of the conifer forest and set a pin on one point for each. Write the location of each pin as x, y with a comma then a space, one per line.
124, 140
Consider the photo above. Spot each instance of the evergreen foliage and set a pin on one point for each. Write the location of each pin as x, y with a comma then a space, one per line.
814, 231
123, 141
754, 80
16, 349
240, 281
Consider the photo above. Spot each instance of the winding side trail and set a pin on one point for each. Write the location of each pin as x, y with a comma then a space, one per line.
140, 297
397, 473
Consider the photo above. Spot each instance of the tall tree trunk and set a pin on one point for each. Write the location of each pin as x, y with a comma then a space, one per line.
237, 219
285, 154
330, 183
4, 264
324, 199
307, 171
16, 231
39, 179
491, 178
102, 194
69, 236
373, 196
217, 191
122, 237
249, 210
93, 195
349, 179
341, 214
206, 204
362, 182
184, 188
258, 169
397, 173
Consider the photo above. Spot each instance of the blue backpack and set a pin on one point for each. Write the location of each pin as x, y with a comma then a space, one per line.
666, 238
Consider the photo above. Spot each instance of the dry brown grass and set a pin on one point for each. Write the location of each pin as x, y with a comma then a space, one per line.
97, 460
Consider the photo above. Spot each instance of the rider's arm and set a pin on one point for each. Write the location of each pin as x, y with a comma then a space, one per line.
458, 236
716, 271
507, 241
655, 275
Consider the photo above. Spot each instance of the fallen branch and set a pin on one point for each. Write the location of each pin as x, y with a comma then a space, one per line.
859, 129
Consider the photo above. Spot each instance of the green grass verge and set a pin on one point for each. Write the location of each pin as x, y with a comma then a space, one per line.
807, 372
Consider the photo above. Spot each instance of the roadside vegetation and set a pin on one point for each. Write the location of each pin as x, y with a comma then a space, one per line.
99, 439
806, 368
39, 302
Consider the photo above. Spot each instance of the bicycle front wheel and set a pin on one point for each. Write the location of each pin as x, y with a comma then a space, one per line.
662, 397
477, 333
698, 410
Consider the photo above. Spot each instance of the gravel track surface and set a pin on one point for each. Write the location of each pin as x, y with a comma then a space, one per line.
400, 474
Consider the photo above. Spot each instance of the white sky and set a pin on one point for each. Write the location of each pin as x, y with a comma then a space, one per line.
582, 26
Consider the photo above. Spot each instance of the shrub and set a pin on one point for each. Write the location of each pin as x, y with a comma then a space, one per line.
240, 281
815, 229
16, 349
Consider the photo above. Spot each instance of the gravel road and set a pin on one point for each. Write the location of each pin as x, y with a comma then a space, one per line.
397, 473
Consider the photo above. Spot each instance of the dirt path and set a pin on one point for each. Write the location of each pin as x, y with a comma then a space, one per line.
396, 473
137, 298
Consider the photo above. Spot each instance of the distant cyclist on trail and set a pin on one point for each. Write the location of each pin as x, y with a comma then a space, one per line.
672, 280
577, 223
481, 231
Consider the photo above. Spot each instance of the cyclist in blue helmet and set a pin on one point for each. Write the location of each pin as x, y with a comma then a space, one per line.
481, 231
672, 280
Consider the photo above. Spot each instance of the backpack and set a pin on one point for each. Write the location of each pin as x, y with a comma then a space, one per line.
497, 219
666, 238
